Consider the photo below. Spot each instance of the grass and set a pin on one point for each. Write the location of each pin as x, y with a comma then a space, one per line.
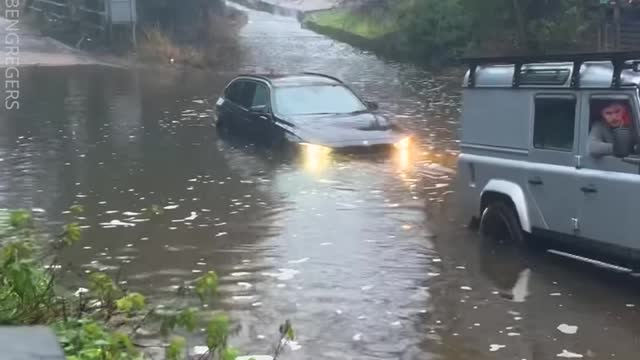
359, 23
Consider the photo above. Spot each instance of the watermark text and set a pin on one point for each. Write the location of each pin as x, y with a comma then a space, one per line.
12, 55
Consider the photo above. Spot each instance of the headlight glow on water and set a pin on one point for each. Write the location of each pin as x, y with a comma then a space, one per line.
315, 157
403, 144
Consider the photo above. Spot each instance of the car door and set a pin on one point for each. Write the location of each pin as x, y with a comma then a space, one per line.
230, 109
551, 176
609, 187
260, 117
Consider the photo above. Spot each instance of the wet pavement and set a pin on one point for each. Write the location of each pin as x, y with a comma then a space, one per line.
365, 255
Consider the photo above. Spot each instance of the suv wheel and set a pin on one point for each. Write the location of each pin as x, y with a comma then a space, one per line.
500, 224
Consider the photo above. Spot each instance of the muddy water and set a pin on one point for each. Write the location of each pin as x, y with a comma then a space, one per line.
365, 255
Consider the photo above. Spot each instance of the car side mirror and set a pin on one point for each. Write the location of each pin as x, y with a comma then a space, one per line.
622, 142
372, 105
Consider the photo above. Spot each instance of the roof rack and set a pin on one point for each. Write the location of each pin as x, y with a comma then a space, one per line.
323, 75
617, 58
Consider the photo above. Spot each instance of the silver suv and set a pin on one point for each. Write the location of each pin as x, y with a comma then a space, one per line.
549, 147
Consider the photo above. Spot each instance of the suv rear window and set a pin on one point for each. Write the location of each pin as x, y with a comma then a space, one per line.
554, 123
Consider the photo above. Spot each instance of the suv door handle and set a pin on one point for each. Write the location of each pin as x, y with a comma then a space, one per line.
536, 181
589, 189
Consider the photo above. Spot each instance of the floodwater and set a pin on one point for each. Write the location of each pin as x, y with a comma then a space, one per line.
365, 255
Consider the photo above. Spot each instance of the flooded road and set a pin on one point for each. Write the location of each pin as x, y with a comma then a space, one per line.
365, 255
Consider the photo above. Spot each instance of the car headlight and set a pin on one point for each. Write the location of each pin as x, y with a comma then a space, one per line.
403, 144
315, 149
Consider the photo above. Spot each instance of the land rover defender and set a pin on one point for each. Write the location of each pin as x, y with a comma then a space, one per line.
549, 148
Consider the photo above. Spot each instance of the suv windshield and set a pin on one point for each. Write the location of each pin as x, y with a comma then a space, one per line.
318, 99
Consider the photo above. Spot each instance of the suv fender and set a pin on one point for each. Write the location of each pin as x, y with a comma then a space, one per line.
512, 191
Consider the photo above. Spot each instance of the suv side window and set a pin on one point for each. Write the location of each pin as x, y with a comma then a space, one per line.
554, 123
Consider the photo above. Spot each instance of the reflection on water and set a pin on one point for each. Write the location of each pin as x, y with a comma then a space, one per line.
360, 252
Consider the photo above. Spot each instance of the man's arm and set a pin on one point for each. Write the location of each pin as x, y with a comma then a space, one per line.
598, 147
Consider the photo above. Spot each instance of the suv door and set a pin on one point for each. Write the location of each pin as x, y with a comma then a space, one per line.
551, 181
608, 186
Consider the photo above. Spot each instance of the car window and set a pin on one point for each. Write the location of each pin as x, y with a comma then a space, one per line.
260, 96
234, 91
319, 99
554, 123
246, 96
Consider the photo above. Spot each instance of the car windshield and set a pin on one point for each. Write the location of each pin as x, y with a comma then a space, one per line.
318, 99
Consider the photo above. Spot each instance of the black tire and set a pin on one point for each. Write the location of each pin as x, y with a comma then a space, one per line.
500, 224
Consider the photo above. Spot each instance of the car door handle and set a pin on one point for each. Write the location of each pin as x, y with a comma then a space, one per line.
536, 181
589, 189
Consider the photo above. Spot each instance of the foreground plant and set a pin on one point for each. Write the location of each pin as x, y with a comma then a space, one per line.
101, 322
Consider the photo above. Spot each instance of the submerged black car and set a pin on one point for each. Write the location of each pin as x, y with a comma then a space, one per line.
312, 110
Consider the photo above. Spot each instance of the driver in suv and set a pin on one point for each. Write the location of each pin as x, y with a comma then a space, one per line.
614, 115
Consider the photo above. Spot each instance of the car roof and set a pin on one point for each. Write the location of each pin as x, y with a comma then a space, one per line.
303, 79
601, 70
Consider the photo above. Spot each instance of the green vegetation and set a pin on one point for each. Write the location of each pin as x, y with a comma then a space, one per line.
361, 24
101, 322
443, 30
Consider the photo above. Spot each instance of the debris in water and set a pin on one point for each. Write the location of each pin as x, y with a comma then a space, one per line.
285, 274
513, 334
465, 288
567, 329
520, 290
221, 234
117, 223
496, 347
299, 261
555, 294
569, 355
171, 207
367, 287
193, 216
396, 323
256, 304
81, 291
630, 305
38, 210
357, 337
236, 274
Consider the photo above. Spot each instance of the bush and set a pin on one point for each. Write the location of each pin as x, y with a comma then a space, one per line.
28, 296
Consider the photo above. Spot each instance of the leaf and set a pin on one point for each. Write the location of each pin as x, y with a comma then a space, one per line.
187, 319
207, 285
20, 219
124, 305
131, 303
229, 353
217, 332
121, 342
72, 233
175, 348
101, 342
76, 209
168, 324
